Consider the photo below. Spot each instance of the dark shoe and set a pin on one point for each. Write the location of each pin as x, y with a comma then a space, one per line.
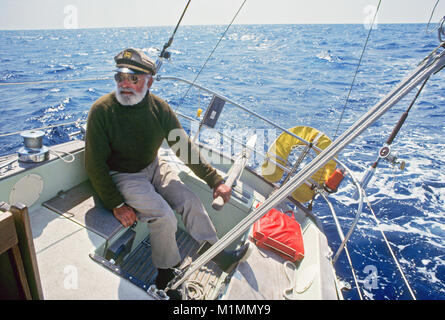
174, 294
163, 278
226, 259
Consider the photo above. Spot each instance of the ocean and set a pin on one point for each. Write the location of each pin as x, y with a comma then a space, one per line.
294, 75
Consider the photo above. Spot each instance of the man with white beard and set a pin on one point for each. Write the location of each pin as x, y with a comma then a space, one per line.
125, 130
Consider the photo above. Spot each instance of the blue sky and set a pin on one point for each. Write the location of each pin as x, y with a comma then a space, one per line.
59, 14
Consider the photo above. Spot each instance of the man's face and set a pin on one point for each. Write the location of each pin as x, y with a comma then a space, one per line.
131, 88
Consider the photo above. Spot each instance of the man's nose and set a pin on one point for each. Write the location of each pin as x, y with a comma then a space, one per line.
125, 82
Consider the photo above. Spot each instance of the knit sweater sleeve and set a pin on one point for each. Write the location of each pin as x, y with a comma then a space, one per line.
97, 151
185, 149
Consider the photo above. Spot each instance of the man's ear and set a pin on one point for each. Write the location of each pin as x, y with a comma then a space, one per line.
150, 82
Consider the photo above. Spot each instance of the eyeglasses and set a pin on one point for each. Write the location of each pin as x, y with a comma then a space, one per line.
133, 78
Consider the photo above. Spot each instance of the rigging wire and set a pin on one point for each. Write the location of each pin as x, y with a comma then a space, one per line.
170, 41
389, 247
431, 17
216, 46
355, 76
389, 142
391, 188
356, 71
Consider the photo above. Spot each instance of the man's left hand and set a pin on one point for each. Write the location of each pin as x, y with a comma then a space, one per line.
222, 190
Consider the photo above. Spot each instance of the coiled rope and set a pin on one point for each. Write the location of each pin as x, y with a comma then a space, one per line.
194, 290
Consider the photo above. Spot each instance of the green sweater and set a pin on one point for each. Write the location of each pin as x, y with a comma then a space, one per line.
127, 139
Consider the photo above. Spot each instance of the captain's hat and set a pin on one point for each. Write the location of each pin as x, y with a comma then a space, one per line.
133, 60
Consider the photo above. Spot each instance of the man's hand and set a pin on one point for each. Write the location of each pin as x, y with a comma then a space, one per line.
223, 191
125, 215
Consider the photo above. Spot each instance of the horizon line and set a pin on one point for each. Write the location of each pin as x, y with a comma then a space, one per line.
198, 25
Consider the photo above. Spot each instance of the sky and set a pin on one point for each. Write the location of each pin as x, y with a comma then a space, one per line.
60, 14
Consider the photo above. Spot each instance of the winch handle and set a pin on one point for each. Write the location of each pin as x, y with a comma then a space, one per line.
236, 170
218, 202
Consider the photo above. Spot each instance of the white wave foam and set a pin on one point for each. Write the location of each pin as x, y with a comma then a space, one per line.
325, 55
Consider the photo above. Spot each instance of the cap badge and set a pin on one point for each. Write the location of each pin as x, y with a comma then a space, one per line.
127, 55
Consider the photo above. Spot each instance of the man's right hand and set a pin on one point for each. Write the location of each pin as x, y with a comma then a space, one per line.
125, 215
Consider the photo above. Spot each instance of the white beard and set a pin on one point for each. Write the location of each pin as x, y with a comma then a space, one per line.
131, 99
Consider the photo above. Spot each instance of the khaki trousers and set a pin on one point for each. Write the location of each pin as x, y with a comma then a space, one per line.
154, 193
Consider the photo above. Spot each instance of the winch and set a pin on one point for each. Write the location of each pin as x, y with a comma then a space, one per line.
33, 149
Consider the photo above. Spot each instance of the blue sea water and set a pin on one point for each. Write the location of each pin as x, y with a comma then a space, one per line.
293, 75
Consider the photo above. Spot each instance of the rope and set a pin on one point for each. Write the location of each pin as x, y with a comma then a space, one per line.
293, 281
305, 275
58, 154
389, 247
194, 290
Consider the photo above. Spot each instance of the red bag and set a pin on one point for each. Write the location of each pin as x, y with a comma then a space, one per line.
280, 233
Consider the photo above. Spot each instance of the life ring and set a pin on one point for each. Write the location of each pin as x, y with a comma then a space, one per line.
279, 152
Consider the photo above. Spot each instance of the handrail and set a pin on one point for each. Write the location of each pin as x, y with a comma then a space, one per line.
159, 78
357, 216
240, 143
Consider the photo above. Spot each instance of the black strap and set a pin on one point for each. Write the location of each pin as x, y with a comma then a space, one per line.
402, 119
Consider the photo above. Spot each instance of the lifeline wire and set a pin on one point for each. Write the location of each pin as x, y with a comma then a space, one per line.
51, 81
42, 128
